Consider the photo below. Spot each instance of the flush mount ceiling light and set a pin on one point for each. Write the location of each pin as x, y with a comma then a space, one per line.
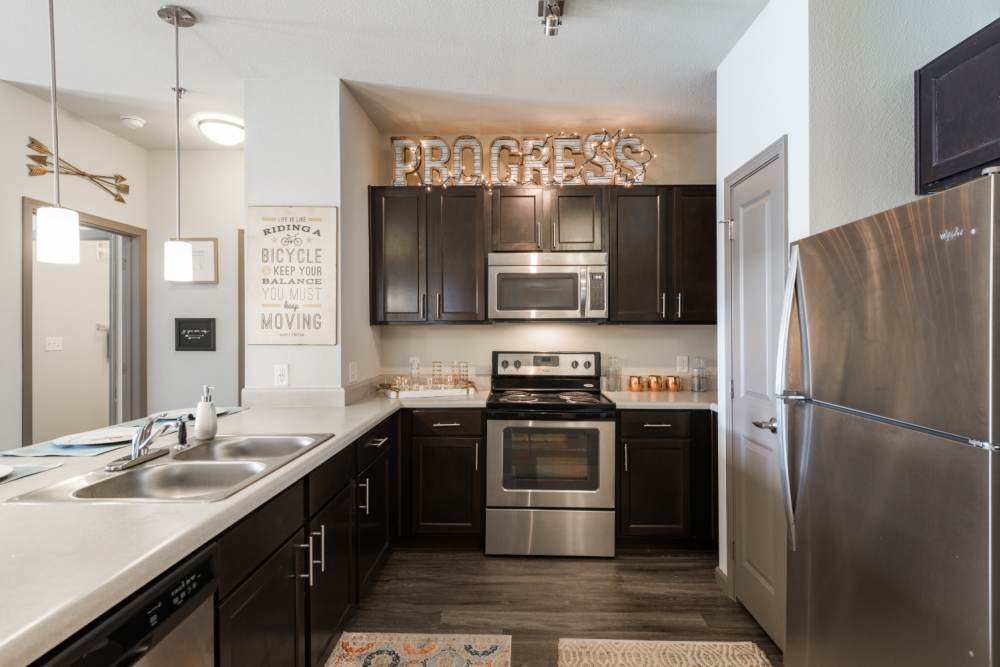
132, 122
178, 254
551, 13
222, 131
57, 229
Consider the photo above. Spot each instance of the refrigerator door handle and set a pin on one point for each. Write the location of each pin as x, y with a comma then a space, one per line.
782, 395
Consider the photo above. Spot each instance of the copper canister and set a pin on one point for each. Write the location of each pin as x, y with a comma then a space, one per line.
673, 382
634, 383
655, 383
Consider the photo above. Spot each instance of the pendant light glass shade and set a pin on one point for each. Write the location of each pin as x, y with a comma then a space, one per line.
57, 235
178, 261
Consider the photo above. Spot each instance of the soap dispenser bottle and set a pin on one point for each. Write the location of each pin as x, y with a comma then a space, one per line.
206, 422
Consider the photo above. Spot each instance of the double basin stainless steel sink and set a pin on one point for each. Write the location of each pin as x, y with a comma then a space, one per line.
203, 472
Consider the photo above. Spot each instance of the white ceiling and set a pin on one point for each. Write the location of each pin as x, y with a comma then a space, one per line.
445, 66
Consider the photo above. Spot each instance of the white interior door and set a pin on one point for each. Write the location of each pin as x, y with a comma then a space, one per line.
756, 204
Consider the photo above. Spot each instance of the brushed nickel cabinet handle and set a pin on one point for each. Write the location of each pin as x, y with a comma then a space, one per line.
680, 309
321, 534
538, 234
657, 425
477, 456
663, 305
445, 424
367, 506
308, 546
439, 305
377, 442
423, 306
626, 457
553, 234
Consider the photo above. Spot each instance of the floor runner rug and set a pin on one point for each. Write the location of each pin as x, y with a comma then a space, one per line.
378, 649
627, 653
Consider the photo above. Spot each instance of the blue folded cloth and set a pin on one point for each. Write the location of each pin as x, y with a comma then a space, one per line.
53, 449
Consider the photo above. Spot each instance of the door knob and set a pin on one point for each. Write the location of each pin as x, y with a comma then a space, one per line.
770, 425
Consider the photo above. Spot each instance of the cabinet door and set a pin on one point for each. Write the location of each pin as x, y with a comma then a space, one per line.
398, 254
456, 265
655, 493
639, 228
693, 266
579, 218
447, 486
332, 596
373, 499
262, 622
517, 220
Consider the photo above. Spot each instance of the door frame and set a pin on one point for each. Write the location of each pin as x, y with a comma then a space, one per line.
776, 151
138, 235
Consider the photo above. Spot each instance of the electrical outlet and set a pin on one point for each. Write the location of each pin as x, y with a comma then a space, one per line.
414, 365
682, 363
352, 371
281, 375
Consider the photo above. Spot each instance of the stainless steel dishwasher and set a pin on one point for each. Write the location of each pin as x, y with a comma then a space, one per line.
170, 622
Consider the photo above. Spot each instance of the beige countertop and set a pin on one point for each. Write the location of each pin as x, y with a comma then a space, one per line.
64, 564
664, 400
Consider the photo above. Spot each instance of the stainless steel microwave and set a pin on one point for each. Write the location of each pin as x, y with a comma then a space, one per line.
548, 286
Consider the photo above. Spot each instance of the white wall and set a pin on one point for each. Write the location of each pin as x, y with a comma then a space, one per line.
360, 163
212, 206
292, 157
86, 146
862, 58
762, 95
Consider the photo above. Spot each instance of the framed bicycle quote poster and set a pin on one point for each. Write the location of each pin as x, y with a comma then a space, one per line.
291, 275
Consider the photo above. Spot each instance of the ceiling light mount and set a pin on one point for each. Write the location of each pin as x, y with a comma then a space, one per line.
132, 122
224, 131
551, 13
179, 16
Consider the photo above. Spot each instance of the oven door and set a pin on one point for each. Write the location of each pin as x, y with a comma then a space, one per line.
538, 292
550, 464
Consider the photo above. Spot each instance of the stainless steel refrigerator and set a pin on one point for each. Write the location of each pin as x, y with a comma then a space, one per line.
888, 369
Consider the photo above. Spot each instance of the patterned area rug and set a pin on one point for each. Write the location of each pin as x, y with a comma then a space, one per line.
401, 650
625, 653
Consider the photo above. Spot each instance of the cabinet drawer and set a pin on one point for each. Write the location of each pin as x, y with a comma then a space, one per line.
447, 422
329, 479
246, 545
375, 442
656, 423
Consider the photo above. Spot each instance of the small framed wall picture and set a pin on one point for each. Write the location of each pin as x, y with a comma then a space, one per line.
194, 334
206, 260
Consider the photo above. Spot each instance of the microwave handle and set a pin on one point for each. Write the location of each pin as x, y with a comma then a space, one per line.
584, 279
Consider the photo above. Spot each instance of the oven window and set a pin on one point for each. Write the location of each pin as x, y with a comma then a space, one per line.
551, 459
538, 291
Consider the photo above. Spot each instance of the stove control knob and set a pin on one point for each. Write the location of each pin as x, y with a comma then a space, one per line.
575, 364
517, 364
504, 364
586, 364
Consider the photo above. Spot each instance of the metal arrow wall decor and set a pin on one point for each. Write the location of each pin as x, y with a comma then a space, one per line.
114, 184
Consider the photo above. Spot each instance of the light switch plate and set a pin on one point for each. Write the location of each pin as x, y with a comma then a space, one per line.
53, 343
682, 363
414, 366
281, 375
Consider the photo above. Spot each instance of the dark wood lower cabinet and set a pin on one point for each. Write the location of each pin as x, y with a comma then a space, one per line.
447, 485
332, 597
374, 498
656, 487
262, 623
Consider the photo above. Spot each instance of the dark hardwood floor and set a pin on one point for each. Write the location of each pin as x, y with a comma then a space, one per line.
639, 595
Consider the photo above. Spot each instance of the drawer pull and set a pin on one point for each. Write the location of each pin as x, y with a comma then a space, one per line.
366, 485
657, 425
321, 534
377, 442
309, 557
445, 424
626, 457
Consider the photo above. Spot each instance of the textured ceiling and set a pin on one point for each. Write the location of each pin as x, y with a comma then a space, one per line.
445, 66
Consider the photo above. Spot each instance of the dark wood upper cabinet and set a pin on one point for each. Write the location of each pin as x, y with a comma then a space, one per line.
456, 263
694, 230
399, 254
655, 487
639, 259
578, 218
518, 217
447, 485
263, 622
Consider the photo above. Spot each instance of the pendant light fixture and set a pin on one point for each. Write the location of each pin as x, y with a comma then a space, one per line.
178, 255
57, 229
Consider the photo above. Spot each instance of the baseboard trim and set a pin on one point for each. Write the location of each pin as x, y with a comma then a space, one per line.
722, 579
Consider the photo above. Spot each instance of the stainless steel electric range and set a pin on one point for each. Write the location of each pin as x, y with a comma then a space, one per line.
550, 456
